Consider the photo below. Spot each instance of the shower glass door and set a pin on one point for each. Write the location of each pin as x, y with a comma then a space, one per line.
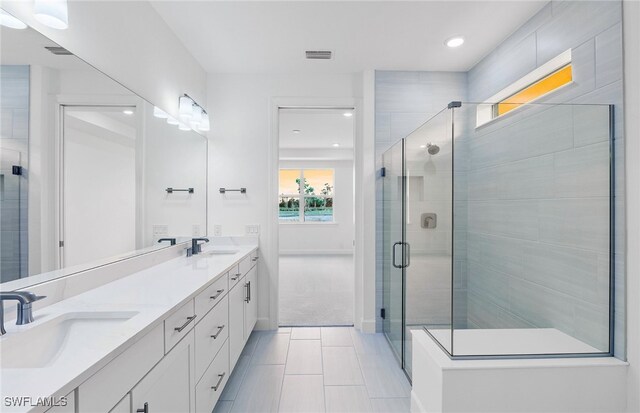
393, 249
417, 241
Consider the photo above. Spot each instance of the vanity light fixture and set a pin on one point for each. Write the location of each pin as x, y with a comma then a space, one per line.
196, 118
52, 13
347, 114
192, 115
183, 126
172, 121
455, 41
159, 113
205, 126
127, 112
11, 22
186, 108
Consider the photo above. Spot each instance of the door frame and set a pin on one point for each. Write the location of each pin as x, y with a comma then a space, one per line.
270, 248
61, 102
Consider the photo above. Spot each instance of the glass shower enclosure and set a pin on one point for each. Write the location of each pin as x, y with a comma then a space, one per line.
498, 238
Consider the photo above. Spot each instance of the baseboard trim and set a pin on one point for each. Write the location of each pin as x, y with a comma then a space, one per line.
263, 324
368, 326
316, 252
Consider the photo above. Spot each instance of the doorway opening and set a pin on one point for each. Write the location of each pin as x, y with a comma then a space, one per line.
316, 216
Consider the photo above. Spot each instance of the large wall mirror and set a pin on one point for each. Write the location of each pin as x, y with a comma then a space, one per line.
88, 174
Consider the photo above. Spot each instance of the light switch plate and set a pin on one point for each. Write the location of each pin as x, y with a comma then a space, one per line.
217, 230
195, 230
252, 230
160, 231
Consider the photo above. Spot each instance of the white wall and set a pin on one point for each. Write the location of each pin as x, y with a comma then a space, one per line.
130, 42
318, 238
240, 148
177, 159
631, 41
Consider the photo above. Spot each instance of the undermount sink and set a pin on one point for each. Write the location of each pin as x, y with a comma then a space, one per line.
41, 345
219, 251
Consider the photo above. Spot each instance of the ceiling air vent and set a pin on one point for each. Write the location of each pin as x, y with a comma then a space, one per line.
57, 50
318, 54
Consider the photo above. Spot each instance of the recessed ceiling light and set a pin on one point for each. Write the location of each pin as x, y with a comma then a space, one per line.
455, 41
348, 114
127, 112
296, 131
335, 145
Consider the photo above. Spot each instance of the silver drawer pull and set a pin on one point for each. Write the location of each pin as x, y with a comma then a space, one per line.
215, 388
182, 327
213, 297
220, 328
254, 259
236, 277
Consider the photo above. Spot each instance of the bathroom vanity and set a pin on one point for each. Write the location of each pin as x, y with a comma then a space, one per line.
162, 339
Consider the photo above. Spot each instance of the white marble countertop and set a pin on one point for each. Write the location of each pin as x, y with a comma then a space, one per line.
152, 294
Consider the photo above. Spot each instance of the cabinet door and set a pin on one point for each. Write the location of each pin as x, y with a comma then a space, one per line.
169, 387
236, 321
251, 303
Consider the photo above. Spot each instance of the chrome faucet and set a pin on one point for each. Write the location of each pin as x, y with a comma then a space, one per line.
196, 247
25, 312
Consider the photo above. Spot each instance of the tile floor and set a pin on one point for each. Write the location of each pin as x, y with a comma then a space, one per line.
316, 369
316, 290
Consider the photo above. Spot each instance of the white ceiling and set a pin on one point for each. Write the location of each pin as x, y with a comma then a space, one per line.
271, 37
319, 129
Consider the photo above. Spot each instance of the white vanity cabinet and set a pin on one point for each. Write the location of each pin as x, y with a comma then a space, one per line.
184, 362
170, 385
243, 307
251, 303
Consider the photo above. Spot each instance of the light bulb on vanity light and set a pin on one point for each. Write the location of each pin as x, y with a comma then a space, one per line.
172, 121
183, 126
205, 126
196, 118
52, 13
11, 22
186, 108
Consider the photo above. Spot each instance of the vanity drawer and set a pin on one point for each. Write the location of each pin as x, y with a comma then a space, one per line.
178, 324
102, 391
234, 276
212, 295
210, 387
211, 333
245, 265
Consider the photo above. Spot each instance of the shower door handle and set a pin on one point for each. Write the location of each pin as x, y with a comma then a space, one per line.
393, 254
407, 255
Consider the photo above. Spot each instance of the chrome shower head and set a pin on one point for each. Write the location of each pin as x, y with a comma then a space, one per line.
432, 148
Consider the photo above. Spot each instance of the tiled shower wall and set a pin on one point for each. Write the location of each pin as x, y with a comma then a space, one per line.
14, 139
538, 182
565, 190
405, 100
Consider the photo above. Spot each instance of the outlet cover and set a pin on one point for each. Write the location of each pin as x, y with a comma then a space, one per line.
195, 230
217, 230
